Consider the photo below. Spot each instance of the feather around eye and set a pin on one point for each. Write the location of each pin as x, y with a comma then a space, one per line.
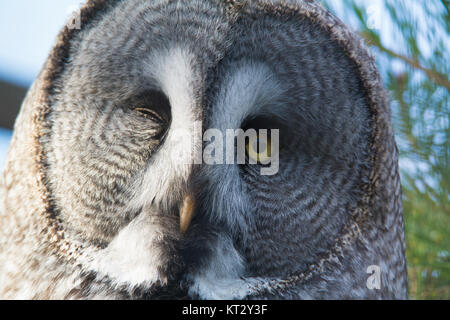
149, 114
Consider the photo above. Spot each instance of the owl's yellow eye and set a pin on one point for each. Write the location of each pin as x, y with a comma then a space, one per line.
259, 151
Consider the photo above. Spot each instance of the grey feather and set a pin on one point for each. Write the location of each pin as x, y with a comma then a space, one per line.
90, 195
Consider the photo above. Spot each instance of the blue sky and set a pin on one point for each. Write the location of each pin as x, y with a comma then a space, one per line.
5, 136
28, 29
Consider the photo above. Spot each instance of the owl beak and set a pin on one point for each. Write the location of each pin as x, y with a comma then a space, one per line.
186, 213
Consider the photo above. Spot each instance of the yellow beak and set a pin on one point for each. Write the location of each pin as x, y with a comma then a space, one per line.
186, 213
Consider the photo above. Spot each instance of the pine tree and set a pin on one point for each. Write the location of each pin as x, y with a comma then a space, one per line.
411, 42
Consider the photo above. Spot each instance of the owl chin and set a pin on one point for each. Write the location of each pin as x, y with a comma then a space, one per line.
198, 288
144, 262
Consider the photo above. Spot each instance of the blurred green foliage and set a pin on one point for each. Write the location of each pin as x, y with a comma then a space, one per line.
411, 42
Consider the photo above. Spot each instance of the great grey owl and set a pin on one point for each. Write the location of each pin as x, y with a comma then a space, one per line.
94, 204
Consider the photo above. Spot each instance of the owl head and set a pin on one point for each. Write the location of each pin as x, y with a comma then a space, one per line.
207, 149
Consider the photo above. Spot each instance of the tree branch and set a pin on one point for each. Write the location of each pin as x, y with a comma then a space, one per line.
435, 76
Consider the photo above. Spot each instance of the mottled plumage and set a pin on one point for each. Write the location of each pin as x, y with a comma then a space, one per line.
91, 192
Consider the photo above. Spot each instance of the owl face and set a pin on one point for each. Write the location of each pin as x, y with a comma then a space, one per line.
124, 183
